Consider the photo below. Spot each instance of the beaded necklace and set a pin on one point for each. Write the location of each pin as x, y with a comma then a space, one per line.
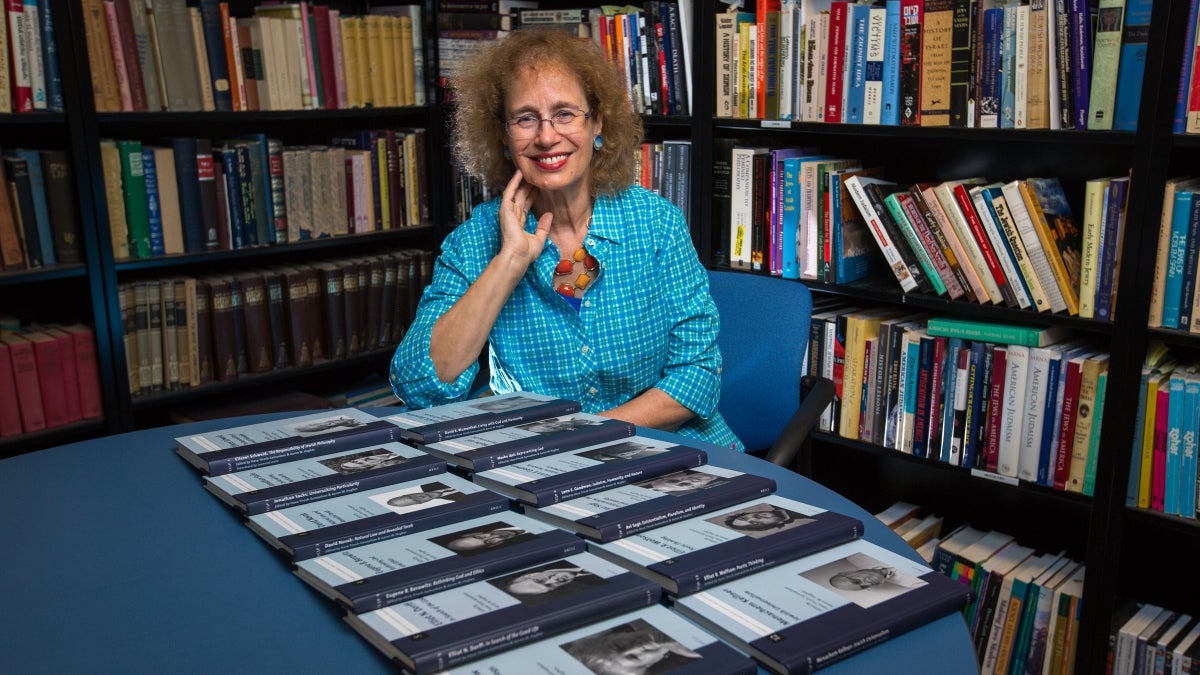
573, 275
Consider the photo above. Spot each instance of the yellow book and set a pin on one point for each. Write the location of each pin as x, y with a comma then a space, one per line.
1034, 207
860, 327
745, 67
411, 178
385, 202
1085, 415
168, 200
375, 57
1157, 379
1093, 214
389, 39
363, 63
110, 160
1164, 246
349, 30
1037, 96
405, 84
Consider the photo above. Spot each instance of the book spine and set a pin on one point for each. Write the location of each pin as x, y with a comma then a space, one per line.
980, 237
910, 62
154, 220
1081, 62
1106, 55
327, 487
580, 483
631, 520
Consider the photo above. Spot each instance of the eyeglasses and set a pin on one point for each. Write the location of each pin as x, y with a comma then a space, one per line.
525, 127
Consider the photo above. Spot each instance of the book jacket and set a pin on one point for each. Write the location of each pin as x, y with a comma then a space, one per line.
809, 613
472, 416
336, 524
694, 554
520, 442
312, 479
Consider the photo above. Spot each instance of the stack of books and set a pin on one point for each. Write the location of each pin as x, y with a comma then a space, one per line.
514, 529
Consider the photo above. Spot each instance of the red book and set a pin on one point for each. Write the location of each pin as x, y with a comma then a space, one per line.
325, 55
237, 86
1066, 422
48, 356
761, 9
991, 438
25, 375
88, 369
18, 58
936, 396
133, 66
834, 79
70, 373
10, 412
1158, 474
963, 197
911, 14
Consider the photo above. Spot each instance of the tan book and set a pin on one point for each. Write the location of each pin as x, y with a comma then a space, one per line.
110, 162
200, 53
5, 81
348, 26
936, 47
405, 83
168, 200
375, 59
1037, 97
186, 338
168, 334
12, 253
335, 157
321, 189
1085, 416
105, 90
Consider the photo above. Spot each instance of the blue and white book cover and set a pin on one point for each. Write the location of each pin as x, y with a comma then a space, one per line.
370, 577
442, 422
336, 524
654, 502
856, 69
652, 640
811, 612
590, 469
278, 486
890, 109
694, 554
284, 440
521, 442
444, 629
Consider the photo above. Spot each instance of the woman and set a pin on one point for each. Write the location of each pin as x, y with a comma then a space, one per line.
583, 285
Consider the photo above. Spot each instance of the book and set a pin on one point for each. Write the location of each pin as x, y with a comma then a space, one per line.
1131, 69
701, 552
889, 246
571, 474
1004, 333
665, 641
255, 491
331, 525
462, 418
1051, 215
855, 595
392, 571
520, 442
256, 445
1106, 57
654, 502
444, 630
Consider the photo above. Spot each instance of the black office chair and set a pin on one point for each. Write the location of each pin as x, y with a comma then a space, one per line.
764, 334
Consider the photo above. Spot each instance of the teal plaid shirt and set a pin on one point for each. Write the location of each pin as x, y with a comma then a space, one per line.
647, 321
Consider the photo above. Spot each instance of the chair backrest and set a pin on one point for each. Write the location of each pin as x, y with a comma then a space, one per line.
764, 335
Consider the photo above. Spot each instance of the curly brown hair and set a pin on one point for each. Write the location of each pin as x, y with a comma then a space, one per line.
477, 123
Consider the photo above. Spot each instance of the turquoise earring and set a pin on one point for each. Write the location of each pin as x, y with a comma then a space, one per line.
598, 142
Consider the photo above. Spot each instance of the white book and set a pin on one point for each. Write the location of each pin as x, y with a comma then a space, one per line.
999, 246
787, 57
1052, 68
1013, 410
822, 67
1021, 69
37, 72
1033, 247
1178, 654
1008, 229
873, 87
741, 204
1093, 217
945, 196
811, 79
1127, 638
1034, 418
685, 31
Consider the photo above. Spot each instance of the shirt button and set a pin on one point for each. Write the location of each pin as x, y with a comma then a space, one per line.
587, 303
591, 242
591, 390
585, 349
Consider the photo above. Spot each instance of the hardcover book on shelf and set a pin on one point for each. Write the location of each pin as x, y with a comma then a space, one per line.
567, 475
695, 554
335, 524
521, 442
809, 613
373, 576
1005, 333
663, 642
654, 502
473, 416
255, 491
446, 629
257, 445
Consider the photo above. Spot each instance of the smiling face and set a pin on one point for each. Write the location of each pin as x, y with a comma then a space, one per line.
552, 159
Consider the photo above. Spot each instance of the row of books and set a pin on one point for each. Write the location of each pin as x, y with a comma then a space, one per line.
801, 214
1163, 474
666, 168
651, 45
1025, 613
515, 530
1174, 302
189, 195
1149, 638
170, 56
30, 79
182, 332
49, 377
921, 531
1019, 402
1043, 65
39, 222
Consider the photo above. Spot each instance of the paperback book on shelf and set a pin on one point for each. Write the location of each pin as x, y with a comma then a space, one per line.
694, 554
575, 473
441, 630
653, 502
256, 445
336, 524
302, 481
520, 442
370, 577
443, 422
814, 611
651, 640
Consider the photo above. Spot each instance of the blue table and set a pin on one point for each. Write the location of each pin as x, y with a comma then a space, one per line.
116, 560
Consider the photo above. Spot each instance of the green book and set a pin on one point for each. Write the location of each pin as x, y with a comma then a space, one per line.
133, 187
1004, 333
892, 202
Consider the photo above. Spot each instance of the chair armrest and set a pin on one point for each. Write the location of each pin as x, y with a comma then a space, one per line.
816, 393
